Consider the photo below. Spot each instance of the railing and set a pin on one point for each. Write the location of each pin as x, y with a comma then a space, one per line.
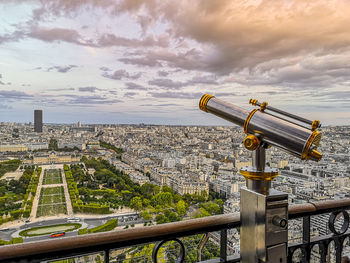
304, 248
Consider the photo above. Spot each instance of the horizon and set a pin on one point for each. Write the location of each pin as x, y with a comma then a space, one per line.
150, 62
232, 125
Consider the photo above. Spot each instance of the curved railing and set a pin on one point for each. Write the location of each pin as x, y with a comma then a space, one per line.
105, 242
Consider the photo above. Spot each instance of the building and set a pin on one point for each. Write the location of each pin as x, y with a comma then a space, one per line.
13, 148
38, 120
52, 157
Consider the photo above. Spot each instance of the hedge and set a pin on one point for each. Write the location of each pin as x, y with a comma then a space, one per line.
16, 213
110, 225
82, 231
91, 209
32, 188
15, 240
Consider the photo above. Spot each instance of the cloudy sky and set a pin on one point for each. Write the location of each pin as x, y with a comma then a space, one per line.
134, 61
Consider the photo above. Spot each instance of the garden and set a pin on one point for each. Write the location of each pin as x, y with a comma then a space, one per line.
52, 176
51, 202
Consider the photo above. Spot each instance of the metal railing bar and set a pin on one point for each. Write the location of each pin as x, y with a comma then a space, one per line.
75, 246
118, 239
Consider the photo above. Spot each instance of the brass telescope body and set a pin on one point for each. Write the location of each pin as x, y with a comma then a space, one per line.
264, 129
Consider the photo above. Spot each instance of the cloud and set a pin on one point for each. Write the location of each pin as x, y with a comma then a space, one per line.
134, 86
121, 74
227, 36
162, 73
170, 84
185, 95
299, 72
56, 34
130, 94
5, 107
141, 61
190, 60
107, 40
167, 83
161, 105
231, 36
175, 95
88, 89
12, 37
14, 95
104, 40
62, 69
62, 89
89, 100
105, 69
3, 83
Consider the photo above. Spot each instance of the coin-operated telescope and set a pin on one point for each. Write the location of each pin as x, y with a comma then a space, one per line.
264, 211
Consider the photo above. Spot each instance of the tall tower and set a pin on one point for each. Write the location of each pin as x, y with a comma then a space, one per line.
38, 120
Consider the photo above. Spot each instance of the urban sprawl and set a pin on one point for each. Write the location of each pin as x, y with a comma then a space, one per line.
144, 162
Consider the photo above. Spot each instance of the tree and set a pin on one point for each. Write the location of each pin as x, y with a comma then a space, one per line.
211, 207
181, 208
53, 144
146, 202
161, 219
148, 190
127, 195
201, 212
146, 215
136, 203
162, 199
2, 191
167, 189
172, 216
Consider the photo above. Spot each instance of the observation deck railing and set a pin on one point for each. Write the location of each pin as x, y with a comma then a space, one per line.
330, 246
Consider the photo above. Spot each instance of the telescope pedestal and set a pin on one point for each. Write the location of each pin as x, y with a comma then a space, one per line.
264, 215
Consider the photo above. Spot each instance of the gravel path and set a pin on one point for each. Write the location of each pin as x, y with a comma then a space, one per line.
36, 197
66, 193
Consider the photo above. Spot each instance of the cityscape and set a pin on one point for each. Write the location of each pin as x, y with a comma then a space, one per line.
161, 131
60, 179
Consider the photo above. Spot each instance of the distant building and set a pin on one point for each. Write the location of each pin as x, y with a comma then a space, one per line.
13, 148
52, 157
38, 120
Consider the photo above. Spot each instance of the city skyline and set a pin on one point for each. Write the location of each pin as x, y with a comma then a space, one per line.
150, 61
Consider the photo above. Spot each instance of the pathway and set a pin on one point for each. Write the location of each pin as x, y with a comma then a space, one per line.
66, 193
37, 194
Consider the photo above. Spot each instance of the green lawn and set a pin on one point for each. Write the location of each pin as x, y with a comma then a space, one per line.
51, 210
52, 176
44, 230
51, 202
52, 190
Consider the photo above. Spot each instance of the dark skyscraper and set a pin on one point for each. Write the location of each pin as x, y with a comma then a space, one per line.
38, 120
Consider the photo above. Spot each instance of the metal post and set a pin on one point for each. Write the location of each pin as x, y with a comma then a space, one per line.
259, 158
223, 245
264, 212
